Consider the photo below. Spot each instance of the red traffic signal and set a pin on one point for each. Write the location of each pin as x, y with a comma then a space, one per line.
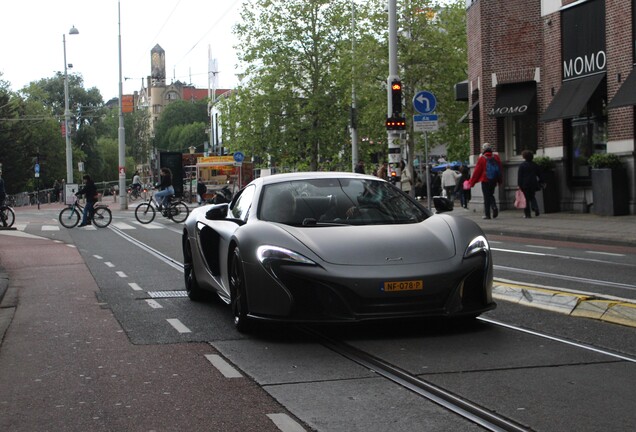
395, 123
396, 97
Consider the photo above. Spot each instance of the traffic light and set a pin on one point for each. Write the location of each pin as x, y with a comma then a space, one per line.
395, 123
396, 98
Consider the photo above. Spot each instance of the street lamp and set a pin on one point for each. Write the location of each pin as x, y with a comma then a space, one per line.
67, 114
121, 132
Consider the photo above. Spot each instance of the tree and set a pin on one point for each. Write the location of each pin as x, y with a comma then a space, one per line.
293, 48
173, 118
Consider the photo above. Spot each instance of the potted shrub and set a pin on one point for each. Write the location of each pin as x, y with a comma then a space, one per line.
551, 202
609, 185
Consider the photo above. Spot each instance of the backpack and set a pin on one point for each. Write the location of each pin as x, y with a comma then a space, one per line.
493, 172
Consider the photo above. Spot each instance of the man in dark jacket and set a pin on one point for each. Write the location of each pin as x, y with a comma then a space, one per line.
89, 190
529, 179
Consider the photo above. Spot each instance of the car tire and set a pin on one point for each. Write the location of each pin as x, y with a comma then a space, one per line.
194, 291
237, 293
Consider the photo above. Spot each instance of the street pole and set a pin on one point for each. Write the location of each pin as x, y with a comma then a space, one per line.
67, 114
354, 126
393, 137
123, 197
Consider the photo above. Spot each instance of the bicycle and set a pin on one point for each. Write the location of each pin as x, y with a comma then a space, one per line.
7, 216
70, 216
177, 211
134, 193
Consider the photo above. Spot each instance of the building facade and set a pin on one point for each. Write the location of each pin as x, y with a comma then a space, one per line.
555, 77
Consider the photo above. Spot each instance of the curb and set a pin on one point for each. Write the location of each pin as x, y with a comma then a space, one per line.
611, 310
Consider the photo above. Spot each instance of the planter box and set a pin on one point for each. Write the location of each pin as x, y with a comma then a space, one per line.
610, 192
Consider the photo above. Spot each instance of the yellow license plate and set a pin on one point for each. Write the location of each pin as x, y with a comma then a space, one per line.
412, 285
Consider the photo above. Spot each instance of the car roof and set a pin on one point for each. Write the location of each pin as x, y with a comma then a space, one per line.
278, 178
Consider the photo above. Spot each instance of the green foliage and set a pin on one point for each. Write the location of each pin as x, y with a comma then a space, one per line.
545, 163
174, 117
604, 160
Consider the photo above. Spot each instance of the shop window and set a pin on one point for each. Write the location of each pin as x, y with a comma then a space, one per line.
520, 134
586, 135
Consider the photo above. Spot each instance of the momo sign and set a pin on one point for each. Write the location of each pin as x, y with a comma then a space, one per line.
583, 39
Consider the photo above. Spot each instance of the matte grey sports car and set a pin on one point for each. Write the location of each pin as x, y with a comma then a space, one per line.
335, 247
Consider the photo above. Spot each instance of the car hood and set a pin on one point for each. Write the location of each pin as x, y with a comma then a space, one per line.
428, 241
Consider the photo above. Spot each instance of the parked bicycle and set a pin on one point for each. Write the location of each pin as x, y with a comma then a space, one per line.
70, 216
7, 216
176, 210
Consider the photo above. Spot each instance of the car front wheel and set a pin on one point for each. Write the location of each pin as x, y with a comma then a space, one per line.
237, 291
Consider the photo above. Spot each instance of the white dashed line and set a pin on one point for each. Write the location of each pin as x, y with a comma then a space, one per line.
109, 264
135, 287
123, 226
97, 257
224, 367
541, 247
605, 253
178, 325
121, 274
153, 304
50, 228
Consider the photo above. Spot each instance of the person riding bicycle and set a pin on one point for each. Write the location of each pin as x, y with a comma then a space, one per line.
136, 182
89, 190
165, 186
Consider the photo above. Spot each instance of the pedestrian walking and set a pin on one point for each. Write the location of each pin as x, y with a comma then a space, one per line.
488, 172
406, 178
201, 190
382, 172
449, 182
462, 190
529, 180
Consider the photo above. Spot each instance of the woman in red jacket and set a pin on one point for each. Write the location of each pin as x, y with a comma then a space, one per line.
488, 172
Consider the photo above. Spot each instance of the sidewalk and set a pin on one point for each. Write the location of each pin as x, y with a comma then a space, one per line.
576, 227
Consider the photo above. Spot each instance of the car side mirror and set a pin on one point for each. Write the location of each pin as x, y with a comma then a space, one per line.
442, 204
217, 212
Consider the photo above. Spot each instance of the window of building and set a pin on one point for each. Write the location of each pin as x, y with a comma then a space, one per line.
172, 96
520, 134
588, 135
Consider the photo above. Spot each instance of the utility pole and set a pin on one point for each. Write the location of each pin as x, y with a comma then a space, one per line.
123, 196
395, 120
354, 114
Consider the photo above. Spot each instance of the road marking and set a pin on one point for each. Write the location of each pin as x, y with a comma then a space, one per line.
285, 423
605, 253
152, 225
121, 274
109, 264
20, 234
135, 287
541, 247
154, 304
50, 228
178, 325
98, 257
123, 226
224, 367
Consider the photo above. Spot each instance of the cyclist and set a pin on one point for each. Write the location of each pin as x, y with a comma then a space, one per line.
89, 190
165, 186
136, 182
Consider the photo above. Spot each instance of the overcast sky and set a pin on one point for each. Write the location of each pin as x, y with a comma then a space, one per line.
31, 45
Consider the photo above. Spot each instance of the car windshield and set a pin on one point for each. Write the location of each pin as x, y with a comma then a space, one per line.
337, 201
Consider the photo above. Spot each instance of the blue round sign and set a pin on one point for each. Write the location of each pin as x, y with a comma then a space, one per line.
424, 102
238, 157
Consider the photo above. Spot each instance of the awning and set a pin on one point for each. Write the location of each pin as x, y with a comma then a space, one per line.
572, 97
626, 94
465, 118
515, 100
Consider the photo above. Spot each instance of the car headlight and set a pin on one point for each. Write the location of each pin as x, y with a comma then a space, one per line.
266, 254
477, 245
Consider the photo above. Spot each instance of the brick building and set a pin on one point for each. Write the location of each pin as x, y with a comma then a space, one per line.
555, 77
